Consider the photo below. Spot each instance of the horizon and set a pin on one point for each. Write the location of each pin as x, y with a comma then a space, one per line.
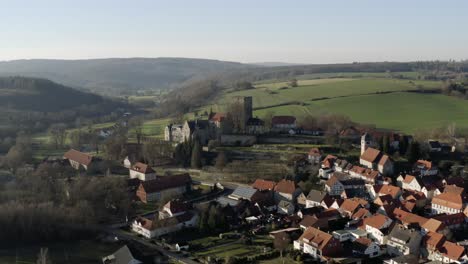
298, 32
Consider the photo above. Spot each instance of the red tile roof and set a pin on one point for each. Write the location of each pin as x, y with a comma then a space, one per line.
80, 157
350, 206
387, 189
285, 186
384, 160
448, 199
263, 185
316, 236
452, 250
452, 219
376, 221
433, 240
371, 155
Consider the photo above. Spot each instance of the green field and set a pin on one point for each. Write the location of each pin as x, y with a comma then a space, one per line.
381, 101
271, 94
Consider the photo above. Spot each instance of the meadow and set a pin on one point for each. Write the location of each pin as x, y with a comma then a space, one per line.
384, 102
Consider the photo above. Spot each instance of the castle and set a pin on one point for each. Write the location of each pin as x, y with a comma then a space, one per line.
238, 120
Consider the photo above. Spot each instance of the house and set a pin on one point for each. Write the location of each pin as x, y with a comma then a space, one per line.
315, 198
350, 206
334, 187
79, 159
387, 189
122, 256
163, 187
317, 244
264, 185
349, 234
447, 203
142, 171
376, 160
364, 247
403, 241
180, 133
452, 221
249, 194
425, 168
361, 214
410, 196
410, 182
314, 156
174, 208
431, 242
313, 221
158, 227
450, 252
283, 124
368, 175
255, 126
285, 207
286, 190
375, 226
403, 259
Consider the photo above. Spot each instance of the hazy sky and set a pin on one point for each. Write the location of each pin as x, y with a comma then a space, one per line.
239, 30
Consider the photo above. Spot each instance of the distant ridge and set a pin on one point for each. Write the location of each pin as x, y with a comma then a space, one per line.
122, 75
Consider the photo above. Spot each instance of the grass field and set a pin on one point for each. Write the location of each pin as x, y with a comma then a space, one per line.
380, 101
271, 94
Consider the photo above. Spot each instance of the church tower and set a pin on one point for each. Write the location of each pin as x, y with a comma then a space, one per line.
365, 141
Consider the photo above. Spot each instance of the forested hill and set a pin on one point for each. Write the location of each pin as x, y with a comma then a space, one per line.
124, 76
33, 94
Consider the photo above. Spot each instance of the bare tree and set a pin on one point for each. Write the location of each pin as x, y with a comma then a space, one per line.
43, 257
58, 135
136, 124
281, 242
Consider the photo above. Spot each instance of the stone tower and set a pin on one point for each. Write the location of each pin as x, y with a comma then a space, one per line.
246, 105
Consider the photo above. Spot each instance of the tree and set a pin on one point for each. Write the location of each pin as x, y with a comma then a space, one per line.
196, 161
385, 144
17, 155
136, 124
403, 145
293, 83
414, 152
221, 160
156, 149
58, 134
43, 257
281, 243
76, 139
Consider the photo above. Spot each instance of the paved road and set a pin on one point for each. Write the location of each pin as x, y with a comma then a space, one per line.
172, 255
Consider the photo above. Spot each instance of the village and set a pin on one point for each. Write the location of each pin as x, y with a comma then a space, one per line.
366, 209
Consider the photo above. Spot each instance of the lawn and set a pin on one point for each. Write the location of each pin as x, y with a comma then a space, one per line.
81, 252
230, 248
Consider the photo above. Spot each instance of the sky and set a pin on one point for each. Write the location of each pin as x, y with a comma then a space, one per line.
294, 31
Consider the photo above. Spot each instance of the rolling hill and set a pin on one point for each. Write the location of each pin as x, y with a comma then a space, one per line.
126, 75
41, 95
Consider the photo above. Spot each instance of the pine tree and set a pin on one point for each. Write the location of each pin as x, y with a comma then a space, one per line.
414, 152
196, 156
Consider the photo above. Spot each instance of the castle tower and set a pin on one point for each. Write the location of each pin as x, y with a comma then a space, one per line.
245, 103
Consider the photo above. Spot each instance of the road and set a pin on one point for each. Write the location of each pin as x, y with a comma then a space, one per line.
121, 235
